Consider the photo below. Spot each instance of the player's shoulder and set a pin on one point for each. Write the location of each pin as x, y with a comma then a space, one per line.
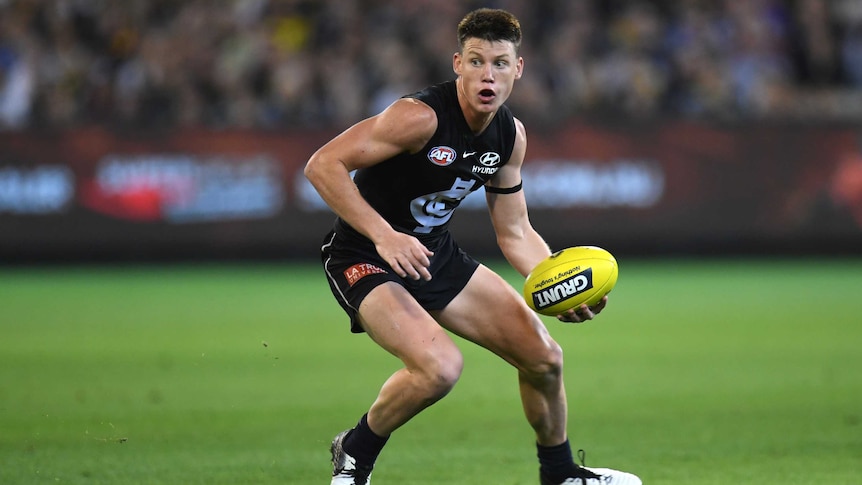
520, 131
410, 112
409, 121
519, 126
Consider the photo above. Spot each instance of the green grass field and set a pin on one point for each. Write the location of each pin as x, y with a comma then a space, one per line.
743, 372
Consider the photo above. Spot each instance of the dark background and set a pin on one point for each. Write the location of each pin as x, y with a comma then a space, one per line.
160, 130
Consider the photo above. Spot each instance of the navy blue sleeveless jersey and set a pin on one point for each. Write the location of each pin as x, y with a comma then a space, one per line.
417, 193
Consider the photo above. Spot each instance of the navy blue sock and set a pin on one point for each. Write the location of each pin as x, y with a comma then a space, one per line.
363, 444
556, 461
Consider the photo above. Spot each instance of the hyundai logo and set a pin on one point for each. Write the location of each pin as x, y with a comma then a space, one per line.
489, 159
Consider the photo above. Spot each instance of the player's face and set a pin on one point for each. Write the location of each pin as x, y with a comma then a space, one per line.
487, 72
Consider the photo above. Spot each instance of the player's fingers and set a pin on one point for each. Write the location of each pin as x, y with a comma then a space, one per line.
411, 270
582, 313
422, 257
396, 266
572, 315
408, 267
424, 273
568, 317
419, 267
585, 312
598, 307
423, 261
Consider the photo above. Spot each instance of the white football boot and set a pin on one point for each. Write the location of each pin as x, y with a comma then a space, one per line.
344, 468
596, 476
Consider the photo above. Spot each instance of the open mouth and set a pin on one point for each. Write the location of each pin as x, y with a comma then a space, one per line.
486, 95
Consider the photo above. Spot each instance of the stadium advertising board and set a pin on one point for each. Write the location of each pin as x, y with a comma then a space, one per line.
91, 193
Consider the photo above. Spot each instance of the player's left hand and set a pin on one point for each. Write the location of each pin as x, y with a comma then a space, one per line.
583, 313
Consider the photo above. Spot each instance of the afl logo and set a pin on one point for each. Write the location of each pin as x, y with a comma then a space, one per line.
442, 156
489, 159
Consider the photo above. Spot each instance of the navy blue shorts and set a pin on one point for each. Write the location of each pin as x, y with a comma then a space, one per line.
353, 268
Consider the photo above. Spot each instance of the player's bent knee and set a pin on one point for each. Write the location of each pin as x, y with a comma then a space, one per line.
441, 372
545, 364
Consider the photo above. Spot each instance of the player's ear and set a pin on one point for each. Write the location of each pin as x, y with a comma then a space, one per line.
519, 68
456, 63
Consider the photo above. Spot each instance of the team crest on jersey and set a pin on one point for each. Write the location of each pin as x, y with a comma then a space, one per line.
442, 156
361, 270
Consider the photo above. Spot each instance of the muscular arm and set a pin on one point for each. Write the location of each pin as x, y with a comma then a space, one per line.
405, 126
522, 246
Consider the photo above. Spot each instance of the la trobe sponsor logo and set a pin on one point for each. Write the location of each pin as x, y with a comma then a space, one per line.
361, 270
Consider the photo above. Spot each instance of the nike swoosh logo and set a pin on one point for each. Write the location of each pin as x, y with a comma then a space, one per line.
467, 154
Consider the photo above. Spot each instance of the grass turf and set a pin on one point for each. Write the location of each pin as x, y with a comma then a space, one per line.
697, 373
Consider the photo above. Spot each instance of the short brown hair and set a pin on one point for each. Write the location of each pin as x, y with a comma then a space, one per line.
491, 25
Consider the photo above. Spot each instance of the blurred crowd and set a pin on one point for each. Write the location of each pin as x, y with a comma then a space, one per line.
329, 63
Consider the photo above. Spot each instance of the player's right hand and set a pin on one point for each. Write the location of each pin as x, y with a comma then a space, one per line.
408, 257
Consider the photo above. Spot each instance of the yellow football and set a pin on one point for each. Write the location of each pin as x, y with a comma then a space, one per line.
570, 277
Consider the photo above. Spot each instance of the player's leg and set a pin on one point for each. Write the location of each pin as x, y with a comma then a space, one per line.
432, 361
432, 365
489, 312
